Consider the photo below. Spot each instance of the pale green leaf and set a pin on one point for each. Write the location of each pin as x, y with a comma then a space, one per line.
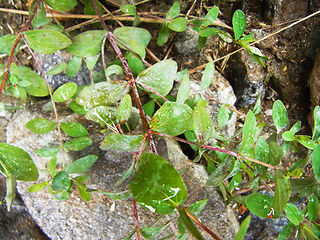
243, 228
293, 214
211, 16
120, 142
207, 76
164, 34
73, 66
178, 24
248, 133
78, 144
65, 92
81, 165
103, 115
174, 11
91, 61
62, 5
184, 89
124, 109
128, 9
57, 69
202, 123
40, 125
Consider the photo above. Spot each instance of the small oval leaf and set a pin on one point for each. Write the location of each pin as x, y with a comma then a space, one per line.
81, 165
74, 129
238, 23
124, 109
65, 92
178, 24
279, 115
260, 204
120, 142
40, 125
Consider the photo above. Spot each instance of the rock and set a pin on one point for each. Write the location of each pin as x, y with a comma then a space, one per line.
314, 85
104, 218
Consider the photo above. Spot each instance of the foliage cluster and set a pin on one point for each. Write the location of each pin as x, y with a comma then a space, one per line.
155, 184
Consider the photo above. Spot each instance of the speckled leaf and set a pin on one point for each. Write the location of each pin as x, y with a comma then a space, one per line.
160, 76
73, 66
101, 94
57, 69
124, 109
223, 116
282, 194
316, 162
178, 24
102, 115
87, 44
46, 41
243, 228
174, 11
293, 214
279, 115
225, 36
164, 34
137, 39
61, 181
78, 144
91, 61
184, 89
18, 163
260, 204
6, 44
202, 123
172, 119
38, 87
207, 76
211, 16
120, 142
81, 165
74, 129
249, 133
40, 125
261, 153
156, 185
313, 208
316, 126
62, 5
65, 92
238, 23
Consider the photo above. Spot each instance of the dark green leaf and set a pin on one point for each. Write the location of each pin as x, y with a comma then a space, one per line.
201, 42
156, 185
65, 92
260, 204
223, 116
128, 9
91, 61
73, 66
57, 69
11, 190
238, 23
189, 224
37, 187
116, 195
208, 32
136, 39
257, 106
235, 181
211, 16
122, 142
202, 123
293, 214
102, 115
279, 115
316, 126
243, 229
124, 109
47, 152
74, 129
78, 144
101, 94
313, 208
282, 194
178, 24
184, 89
81, 165
164, 34
276, 153
262, 153
172, 119
174, 11
303, 186
40, 125
87, 44
62, 5
135, 64
248, 134
286, 232
316, 162
61, 182
148, 108
207, 76
77, 108
6, 44
157, 79
150, 232
46, 41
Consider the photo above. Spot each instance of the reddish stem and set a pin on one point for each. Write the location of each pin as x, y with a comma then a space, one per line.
135, 214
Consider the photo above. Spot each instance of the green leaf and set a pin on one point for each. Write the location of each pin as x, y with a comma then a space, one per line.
257, 106
174, 11
305, 141
286, 232
156, 185
91, 61
127, 173
293, 214
40, 125
74, 129
6, 44
73, 66
279, 115
124, 109
11, 190
40, 18
184, 89
316, 162
135, 64
120, 142
316, 126
81, 165
38, 87
172, 119
102, 115
164, 34
189, 224
178, 24
235, 181
313, 208
136, 39
202, 123
211, 16
116, 195
46, 41
113, 70
77, 108
87, 44
309, 232
78, 144
62, 5
61, 182
260, 204
18, 163
248, 133
101, 94
57, 69
157, 79
84, 194
262, 153
304, 186
150, 232
47, 152
288, 136
148, 108
276, 153
201, 42
238, 23
37, 187
243, 229
208, 32
53, 165
223, 116
225, 36
207, 76
65, 92
282, 194
128, 9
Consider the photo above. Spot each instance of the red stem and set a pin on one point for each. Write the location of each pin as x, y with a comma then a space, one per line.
135, 214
